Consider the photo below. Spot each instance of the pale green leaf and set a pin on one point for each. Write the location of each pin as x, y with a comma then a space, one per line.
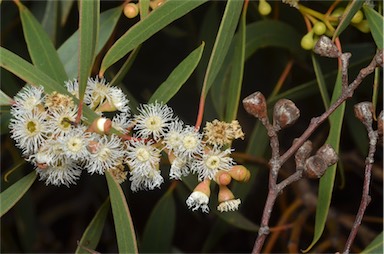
43, 54
89, 12
376, 246
69, 50
375, 22
33, 76
144, 8
143, 30
347, 16
14, 193
223, 41
50, 19
92, 233
237, 70
159, 230
178, 77
320, 81
5, 100
125, 232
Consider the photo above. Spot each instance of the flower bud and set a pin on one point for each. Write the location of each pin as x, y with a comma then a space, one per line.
100, 125
307, 41
264, 8
131, 10
358, 17
285, 113
328, 154
239, 173
364, 112
302, 153
315, 167
319, 28
325, 47
380, 124
223, 178
255, 105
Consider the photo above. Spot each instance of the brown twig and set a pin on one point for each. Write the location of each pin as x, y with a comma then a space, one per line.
277, 161
365, 199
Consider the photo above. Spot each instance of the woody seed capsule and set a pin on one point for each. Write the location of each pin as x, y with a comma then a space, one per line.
328, 154
302, 153
315, 167
364, 112
285, 113
255, 105
380, 124
325, 47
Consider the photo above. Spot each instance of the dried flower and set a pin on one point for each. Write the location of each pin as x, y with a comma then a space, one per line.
328, 154
220, 133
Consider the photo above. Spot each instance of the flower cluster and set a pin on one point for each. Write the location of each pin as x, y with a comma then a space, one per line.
44, 127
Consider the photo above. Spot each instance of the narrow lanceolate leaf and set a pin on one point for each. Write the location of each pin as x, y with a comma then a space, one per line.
158, 232
89, 29
223, 41
43, 54
33, 76
348, 14
50, 19
14, 193
376, 246
327, 181
237, 71
91, 235
320, 81
178, 77
168, 12
125, 232
5, 100
69, 50
144, 8
375, 22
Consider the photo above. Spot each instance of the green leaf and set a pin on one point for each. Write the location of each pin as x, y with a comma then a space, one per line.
69, 50
237, 71
33, 76
66, 6
14, 193
50, 19
140, 32
159, 230
144, 8
92, 233
178, 77
375, 22
88, 35
376, 246
5, 100
320, 81
43, 54
125, 68
327, 181
272, 33
223, 41
125, 232
347, 16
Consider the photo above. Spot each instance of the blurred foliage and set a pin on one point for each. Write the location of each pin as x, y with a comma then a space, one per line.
235, 53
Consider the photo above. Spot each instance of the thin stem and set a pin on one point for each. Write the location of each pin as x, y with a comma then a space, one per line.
282, 78
365, 199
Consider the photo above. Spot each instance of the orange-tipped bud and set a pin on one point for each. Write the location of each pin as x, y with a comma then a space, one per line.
100, 125
225, 194
239, 173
